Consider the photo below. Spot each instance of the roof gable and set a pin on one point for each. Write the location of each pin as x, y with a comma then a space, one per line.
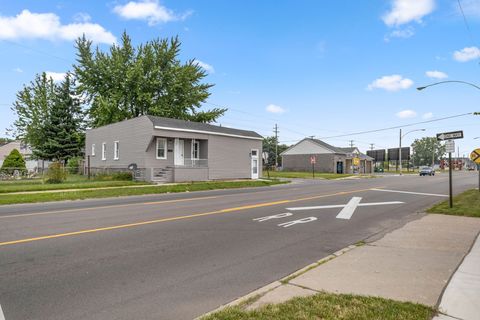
309, 146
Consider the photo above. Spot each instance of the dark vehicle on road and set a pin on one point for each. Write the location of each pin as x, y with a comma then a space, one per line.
427, 171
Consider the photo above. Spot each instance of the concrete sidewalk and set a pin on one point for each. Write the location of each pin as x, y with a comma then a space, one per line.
413, 263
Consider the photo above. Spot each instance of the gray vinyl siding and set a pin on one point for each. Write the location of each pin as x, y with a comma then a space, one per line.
229, 157
190, 174
133, 136
301, 162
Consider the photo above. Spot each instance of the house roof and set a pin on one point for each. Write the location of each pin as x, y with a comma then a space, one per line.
334, 149
168, 123
8, 147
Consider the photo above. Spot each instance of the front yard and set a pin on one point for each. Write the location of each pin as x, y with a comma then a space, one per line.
124, 190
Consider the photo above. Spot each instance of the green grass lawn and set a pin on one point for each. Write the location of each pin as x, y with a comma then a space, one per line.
305, 175
465, 204
105, 193
327, 306
72, 182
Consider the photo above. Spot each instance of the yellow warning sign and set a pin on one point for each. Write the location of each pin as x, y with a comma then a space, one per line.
356, 161
475, 156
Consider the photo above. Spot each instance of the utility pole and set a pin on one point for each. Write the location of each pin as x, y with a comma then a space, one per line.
275, 130
400, 151
351, 143
371, 146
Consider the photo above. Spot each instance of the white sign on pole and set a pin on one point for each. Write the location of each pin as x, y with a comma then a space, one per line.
450, 146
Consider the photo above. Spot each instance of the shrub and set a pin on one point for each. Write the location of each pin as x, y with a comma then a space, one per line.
73, 165
56, 173
116, 176
14, 161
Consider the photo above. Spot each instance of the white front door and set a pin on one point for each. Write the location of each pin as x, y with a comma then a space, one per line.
179, 149
254, 163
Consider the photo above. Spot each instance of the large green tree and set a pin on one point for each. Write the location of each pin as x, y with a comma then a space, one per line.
269, 147
426, 150
63, 127
31, 107
129, 81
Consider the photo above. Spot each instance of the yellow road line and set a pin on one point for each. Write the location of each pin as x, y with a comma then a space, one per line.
141, 223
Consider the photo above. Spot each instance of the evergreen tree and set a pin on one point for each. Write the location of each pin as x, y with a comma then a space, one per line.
14, 161
63, 127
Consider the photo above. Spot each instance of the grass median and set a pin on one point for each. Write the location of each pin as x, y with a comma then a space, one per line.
465, 204
327, 306
38, 185
132, 191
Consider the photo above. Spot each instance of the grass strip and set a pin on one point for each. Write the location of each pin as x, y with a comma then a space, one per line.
328, 306
306, 175
465, 204
36, 186
105, 193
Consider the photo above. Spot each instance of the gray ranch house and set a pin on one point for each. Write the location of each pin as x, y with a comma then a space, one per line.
171, 150
327, 158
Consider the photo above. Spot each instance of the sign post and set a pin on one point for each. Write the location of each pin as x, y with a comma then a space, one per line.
312, 161
475, 157
450, 146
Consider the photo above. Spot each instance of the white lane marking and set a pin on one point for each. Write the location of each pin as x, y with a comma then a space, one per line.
275, 216
411, 192
2, 317
299, 221
343, 205
349, 208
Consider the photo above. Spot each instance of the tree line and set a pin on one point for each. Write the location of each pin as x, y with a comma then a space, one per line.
105, 87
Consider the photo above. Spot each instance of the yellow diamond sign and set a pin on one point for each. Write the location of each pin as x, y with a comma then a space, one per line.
475, 156
356, 161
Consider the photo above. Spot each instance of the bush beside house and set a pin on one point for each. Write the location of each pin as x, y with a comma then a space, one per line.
14, 161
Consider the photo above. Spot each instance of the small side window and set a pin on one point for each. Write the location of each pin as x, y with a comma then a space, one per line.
116, 151
93, 150
104, 151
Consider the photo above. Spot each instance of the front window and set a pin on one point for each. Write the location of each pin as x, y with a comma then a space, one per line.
116, 151
196, 150
161, 148
104, 151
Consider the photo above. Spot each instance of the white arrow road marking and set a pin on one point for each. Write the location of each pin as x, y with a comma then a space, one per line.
349, 208
410, 192
2, 317
299, 221
343, 205
275, 216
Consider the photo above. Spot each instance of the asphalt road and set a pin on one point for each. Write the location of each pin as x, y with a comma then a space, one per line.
177, 256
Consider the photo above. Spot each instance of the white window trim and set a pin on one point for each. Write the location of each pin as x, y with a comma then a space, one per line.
93, 150
116, 151
104, 151
164, 141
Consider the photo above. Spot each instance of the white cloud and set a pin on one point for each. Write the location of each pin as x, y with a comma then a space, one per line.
406, 11
208, 67
150, 10
427, 115
82, 17
18, 70
394, 82
272, 108
467, 54
405, 114
436, 74
29, 25
56, 76
400, 33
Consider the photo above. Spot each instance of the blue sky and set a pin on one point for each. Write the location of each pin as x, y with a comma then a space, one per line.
322, 68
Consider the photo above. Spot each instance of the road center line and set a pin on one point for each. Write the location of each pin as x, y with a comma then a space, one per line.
410, 192
141, 223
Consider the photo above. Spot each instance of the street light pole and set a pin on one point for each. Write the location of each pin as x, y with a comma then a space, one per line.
448, 81
400, 146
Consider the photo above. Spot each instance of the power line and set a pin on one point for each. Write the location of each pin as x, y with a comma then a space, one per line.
398, 127
36, 50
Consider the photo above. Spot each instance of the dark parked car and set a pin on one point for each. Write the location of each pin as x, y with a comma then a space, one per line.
427, 171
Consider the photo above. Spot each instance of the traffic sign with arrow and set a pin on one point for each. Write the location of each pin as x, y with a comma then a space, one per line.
450, 135
475, 156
